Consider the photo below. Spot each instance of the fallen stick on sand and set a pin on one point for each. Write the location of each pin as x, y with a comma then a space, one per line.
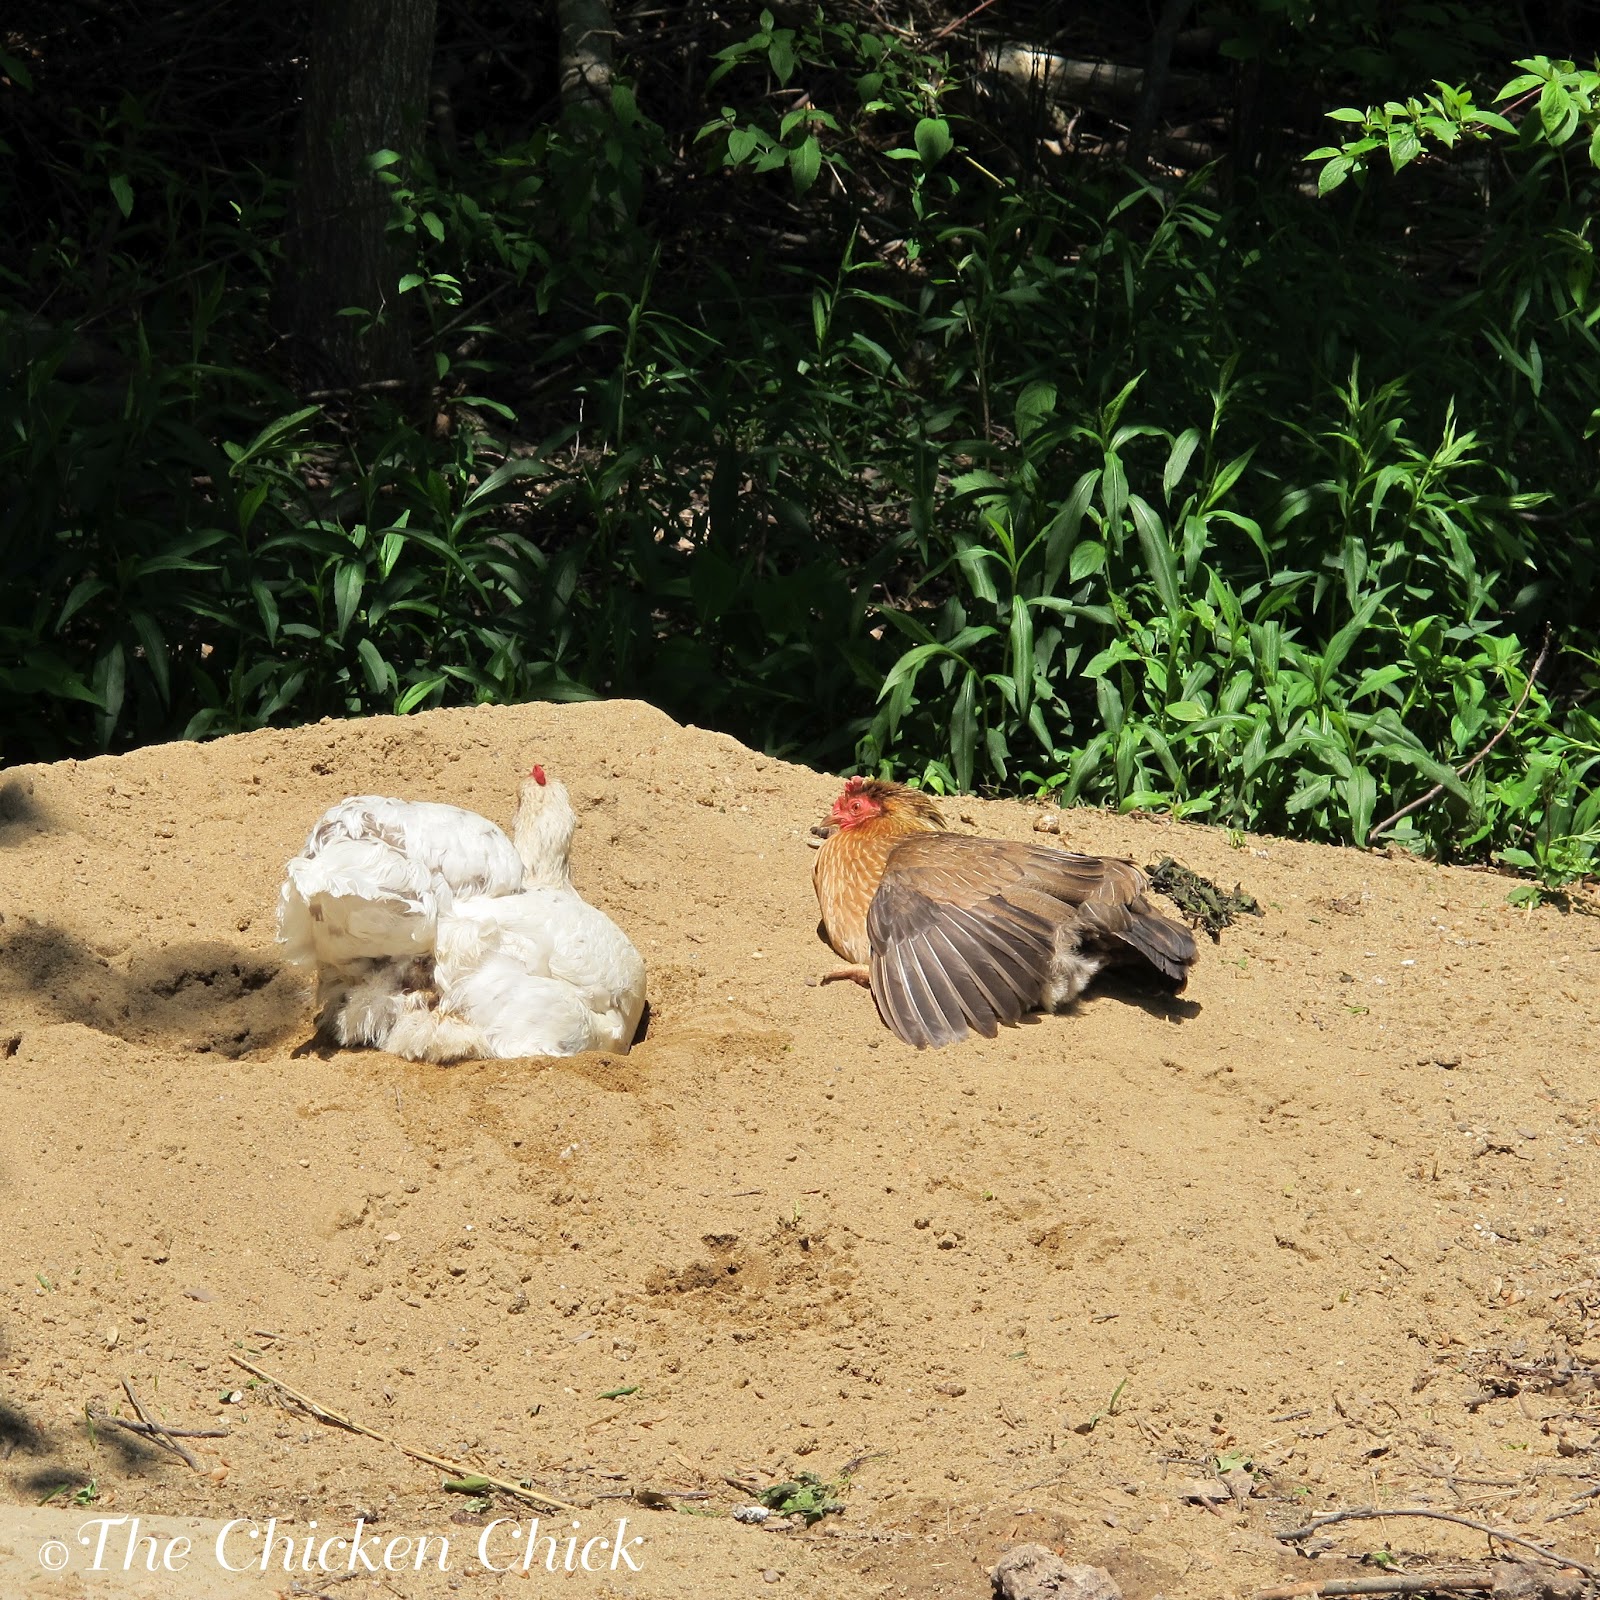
1375, 1513
456, 1469
159, 1430
1316, 1589
156, 1430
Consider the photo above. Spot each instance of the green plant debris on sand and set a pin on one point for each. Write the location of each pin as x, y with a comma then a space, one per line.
1199, 899
806, 1495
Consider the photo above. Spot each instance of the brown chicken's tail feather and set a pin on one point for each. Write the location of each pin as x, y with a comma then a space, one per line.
1166, 946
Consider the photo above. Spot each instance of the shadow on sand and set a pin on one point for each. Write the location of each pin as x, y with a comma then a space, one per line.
205, 995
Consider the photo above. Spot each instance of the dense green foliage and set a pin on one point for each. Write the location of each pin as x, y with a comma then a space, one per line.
850, 423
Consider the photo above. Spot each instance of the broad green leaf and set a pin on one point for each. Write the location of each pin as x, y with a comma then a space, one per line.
267, 606
347, 586
1557, 112
1021, 655
1061, 535
1109, 703
1227, 477
1159, 560
932, 139
1360, 796
1344, 640
1178, 458
82, 592
1429, 766
805, 162
1309, 794
153, 642
1334, 174
418, 692
1088, 558
781, 54
964, 731
380, 675
1375, 679
1035, 406
908, 666
1404, 145
17, 71
109, 684
270, 434
507, 472
1114, 498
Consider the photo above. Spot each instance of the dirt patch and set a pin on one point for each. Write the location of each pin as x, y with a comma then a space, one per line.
1142, 1284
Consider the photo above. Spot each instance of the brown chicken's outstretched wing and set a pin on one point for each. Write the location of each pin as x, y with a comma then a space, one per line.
963, 931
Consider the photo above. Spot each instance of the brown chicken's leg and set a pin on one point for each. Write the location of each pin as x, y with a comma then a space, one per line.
855, 973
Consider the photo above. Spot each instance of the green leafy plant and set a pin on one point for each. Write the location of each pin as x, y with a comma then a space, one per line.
805, 1495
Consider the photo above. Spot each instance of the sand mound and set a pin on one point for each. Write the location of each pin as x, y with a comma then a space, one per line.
1330, 1226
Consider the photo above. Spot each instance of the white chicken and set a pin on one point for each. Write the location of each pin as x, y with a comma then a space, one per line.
436, 953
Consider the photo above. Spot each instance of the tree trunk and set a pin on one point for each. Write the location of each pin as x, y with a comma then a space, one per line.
587, 71
365, 91
587, 32
1153, 90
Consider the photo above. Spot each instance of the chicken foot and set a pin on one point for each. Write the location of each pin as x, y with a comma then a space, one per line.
856, 973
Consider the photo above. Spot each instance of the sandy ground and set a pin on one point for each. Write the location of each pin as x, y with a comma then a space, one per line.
1149, 1283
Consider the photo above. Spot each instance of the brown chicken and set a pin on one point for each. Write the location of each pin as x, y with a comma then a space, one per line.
955, 934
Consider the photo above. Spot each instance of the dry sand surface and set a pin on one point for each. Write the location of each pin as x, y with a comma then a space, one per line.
1328, 1223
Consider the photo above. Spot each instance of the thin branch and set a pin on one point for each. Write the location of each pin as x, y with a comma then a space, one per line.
950, 27
356, 388
156, 1430
102, 1418
1375, 1513
1466, 767
1395, 1585
455, 1468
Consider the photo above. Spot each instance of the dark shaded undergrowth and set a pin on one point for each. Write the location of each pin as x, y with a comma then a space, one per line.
857, 423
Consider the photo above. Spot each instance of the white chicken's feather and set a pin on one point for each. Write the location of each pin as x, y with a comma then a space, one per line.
516, 962
376, 872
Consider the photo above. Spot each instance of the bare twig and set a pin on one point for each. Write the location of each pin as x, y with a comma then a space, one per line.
950, 27
157, 1430
1575, 1505
1376, 1513
356, 388
456, 1469
134, 1426
1394, 1585
1466, 767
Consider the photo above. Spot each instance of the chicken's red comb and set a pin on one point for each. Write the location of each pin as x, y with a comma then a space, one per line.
537, 774
854, 785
